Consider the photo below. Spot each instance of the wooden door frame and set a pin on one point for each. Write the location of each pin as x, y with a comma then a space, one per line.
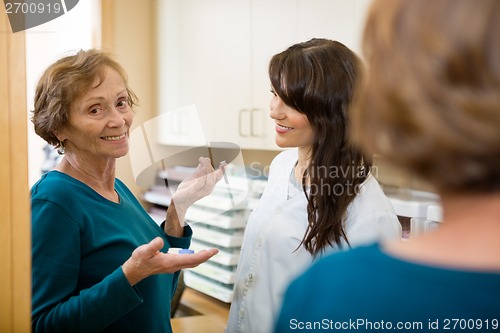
15, 226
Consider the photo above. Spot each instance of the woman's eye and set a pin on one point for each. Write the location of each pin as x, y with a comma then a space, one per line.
95, 111
122, 103
273, 92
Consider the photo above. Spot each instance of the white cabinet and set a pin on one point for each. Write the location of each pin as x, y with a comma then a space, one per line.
273, 29
183, 74
180, 127
215, 54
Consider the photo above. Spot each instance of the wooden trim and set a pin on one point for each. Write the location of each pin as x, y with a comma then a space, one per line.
15, 230
108, 25
5, 204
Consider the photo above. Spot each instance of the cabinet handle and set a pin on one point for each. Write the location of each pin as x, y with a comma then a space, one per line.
252, 127
240, 123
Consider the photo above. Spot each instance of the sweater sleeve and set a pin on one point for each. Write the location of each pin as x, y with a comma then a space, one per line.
56, 305
181, 242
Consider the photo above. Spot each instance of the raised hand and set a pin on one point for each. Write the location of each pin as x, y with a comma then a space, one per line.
198, 185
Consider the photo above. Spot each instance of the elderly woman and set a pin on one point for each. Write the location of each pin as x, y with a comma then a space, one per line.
99, 260
431, 103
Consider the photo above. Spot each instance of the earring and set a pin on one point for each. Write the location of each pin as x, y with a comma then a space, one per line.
60, 149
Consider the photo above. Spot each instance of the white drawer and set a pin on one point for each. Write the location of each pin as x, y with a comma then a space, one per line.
214, 272
221, 220
223, 257
216, 237
208, 287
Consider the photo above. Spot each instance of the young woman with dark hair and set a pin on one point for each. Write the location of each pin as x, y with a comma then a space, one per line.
320, 195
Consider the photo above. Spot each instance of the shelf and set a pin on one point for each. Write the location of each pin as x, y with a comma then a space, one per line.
221, 203
218, 221
208, 287
223, 257
224, 220
216, 237
216, 273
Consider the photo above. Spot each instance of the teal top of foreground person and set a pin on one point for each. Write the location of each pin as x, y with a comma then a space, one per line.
432, 299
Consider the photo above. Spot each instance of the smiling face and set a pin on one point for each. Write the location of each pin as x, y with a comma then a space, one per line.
99, 121
292, 127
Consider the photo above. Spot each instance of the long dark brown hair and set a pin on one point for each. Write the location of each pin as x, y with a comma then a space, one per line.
318, 78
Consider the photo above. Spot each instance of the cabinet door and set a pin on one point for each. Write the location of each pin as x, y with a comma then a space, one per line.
180, 127
259, 29
230, 65
203, 60
332, 19
340, 20
274, 28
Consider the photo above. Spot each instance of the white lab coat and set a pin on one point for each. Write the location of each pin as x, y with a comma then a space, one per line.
269, 256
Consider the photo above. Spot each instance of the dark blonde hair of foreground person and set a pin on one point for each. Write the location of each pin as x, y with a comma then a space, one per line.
431, 104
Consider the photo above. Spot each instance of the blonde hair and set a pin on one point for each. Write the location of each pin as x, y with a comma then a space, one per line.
431, 98
63, 82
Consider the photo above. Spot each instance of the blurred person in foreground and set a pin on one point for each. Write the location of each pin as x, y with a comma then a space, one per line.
99, 260
431, 104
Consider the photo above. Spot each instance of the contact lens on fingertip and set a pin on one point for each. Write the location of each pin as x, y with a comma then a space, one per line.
177, 250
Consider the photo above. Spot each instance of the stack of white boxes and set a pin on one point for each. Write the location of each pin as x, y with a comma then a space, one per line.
218, 221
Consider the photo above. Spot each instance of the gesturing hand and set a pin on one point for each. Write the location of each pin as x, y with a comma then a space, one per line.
147, 260
198, 185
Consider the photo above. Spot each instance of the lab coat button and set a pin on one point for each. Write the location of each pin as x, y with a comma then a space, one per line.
250, 278
241, 313
278, 210
259, 241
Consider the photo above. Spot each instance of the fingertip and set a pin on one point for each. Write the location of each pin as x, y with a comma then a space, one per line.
204, 162
212, 250
157, 241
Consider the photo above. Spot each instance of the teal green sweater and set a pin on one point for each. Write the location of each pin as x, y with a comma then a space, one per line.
366, 290
79, 242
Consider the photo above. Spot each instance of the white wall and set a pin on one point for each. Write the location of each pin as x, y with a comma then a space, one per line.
45, 44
